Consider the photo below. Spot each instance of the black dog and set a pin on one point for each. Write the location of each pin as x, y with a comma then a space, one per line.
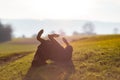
51, 49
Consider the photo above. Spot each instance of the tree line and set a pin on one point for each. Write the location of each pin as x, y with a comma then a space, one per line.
5, 32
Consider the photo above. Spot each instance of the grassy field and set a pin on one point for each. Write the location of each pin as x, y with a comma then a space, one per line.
17, 46
94, 58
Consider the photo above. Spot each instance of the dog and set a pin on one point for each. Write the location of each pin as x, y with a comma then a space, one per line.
51, 49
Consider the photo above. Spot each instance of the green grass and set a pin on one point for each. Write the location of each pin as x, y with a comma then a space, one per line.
15, 70
94, 58
97, 58
17, 46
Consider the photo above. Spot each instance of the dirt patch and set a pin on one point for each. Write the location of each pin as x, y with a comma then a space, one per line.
13, 57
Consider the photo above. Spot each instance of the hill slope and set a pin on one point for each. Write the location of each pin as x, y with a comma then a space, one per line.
97, 58
94, 58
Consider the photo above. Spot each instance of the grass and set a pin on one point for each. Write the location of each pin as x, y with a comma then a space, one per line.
94, 58
17, 46
16, 69
97, 58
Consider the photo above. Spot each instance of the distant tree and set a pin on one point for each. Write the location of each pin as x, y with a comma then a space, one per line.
34, 35
88, 28
76, 33
115, 30
62, 33
23, 36
53, 32
5, 32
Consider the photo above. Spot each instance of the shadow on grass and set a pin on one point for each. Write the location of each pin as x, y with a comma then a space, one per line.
51, 72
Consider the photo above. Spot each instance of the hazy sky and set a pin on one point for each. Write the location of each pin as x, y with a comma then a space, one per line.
102, 10
30, 27
95, 10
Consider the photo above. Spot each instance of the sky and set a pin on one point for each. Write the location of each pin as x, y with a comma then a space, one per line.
107, 11
31, 27
102, 10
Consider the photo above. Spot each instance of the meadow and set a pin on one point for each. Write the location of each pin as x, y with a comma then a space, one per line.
94, 58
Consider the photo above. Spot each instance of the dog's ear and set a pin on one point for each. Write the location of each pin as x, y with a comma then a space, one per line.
39, 35
65, 41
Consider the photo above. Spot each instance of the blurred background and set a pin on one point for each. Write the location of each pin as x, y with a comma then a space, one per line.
24, 18
91, 26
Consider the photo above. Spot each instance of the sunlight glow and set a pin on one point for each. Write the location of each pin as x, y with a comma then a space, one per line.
103, 10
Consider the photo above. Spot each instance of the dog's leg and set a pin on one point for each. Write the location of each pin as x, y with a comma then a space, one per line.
68, 57
68, 50
65, 41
